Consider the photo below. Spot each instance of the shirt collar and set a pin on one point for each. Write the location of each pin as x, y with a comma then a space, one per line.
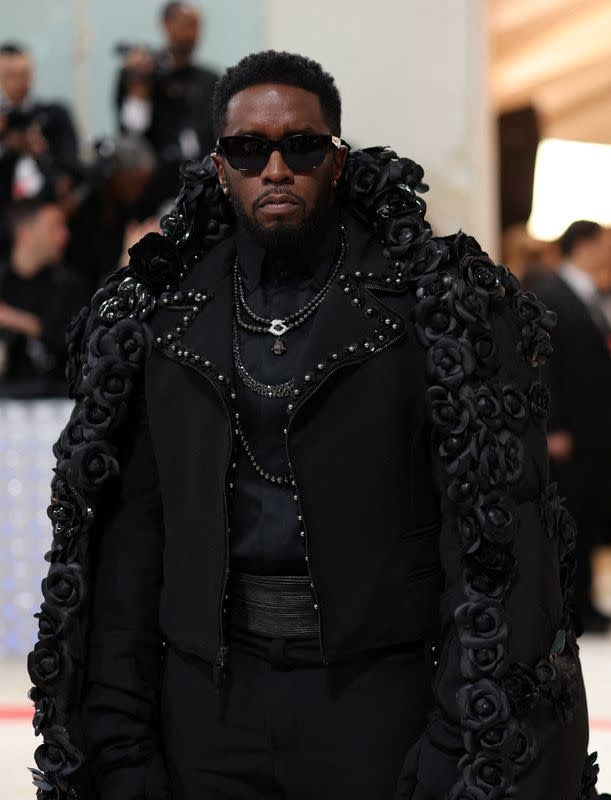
579, 281
311, 266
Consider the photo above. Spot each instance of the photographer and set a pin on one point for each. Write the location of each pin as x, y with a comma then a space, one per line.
35, 137
166, 98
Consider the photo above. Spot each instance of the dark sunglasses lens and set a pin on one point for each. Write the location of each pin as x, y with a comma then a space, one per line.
303, 152
246, 153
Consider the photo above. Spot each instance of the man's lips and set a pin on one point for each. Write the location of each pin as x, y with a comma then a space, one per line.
279, 200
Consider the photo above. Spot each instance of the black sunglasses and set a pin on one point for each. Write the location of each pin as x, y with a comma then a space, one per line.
300, 151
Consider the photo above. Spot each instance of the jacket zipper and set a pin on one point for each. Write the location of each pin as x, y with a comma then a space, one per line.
298, 496
220, 662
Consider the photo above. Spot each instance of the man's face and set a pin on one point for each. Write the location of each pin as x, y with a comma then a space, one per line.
45, 236
182, 29
15, 77
277, 204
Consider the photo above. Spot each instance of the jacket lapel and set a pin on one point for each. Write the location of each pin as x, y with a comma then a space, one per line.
351, 325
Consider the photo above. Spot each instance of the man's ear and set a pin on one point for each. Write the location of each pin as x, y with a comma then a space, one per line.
339, 161
220, 171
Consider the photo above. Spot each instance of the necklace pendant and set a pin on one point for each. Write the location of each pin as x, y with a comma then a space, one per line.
277, 327
279, 347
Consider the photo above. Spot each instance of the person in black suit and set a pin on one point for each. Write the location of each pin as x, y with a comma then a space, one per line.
167, 98
36, 138
305, 544
580, 380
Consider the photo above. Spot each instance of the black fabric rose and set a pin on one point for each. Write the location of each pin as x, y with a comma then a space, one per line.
488, 773
481, 623
71, 436
531, 309
482, 272
129, 340
74, 337
539, 399
57, 755
49, 623
589, 777
500, 739
470, 305
155, 260
68, 512
483, 705
536, 345
486, 354
449, 361
490, 569
567, 534
521, 688
451, 412
499, 457
489, 407
515, 407
92, 465
469, 531
462, 491
550, 507
131, 298
400, 234
497, 516
434, 320
482, 661
64, 587
46, 665
523, 752
427, 257
99, 421
456, 454
44, 710
110, 381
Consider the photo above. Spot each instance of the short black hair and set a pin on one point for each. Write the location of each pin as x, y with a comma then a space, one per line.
169, 9
12, 49
583, 230
289, 69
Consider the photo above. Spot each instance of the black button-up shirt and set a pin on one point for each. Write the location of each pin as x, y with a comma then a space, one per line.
265, 538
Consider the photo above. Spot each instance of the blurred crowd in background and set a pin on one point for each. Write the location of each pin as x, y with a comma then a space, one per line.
69, 213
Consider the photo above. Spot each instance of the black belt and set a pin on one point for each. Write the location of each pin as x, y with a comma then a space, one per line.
275, 606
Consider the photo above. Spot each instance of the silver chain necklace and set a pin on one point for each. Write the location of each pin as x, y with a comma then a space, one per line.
278, 327
276, 480
263, 389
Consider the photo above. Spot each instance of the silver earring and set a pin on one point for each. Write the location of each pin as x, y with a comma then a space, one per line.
334, 183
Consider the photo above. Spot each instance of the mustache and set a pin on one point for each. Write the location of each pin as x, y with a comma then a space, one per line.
278, 190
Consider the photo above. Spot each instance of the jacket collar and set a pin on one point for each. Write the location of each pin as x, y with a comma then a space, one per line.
351, 325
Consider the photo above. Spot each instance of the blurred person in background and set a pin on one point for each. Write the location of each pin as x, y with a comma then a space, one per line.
39, 296
35, 136
579, 375
313, 477
531, 260
167, 98
104, 201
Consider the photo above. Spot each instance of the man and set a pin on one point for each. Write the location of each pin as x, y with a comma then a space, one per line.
580, 378
167, 98
38, 298
331, 565
36, 137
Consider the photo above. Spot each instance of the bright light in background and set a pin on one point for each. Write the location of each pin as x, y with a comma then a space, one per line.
572, 181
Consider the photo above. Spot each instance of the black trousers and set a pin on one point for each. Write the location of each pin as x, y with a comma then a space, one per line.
285, 726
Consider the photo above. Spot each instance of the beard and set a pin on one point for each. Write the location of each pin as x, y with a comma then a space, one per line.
289, 236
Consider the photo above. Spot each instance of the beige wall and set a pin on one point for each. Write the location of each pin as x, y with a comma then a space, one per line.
413, 74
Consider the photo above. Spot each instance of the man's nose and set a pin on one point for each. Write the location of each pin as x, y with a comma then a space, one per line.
276, 169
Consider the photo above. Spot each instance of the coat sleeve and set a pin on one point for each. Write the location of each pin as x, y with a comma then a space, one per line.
120, 706
510, 714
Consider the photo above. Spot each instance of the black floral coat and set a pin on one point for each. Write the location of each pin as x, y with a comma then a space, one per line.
441, 350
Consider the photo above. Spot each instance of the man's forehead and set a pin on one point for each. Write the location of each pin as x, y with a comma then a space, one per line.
274, 106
